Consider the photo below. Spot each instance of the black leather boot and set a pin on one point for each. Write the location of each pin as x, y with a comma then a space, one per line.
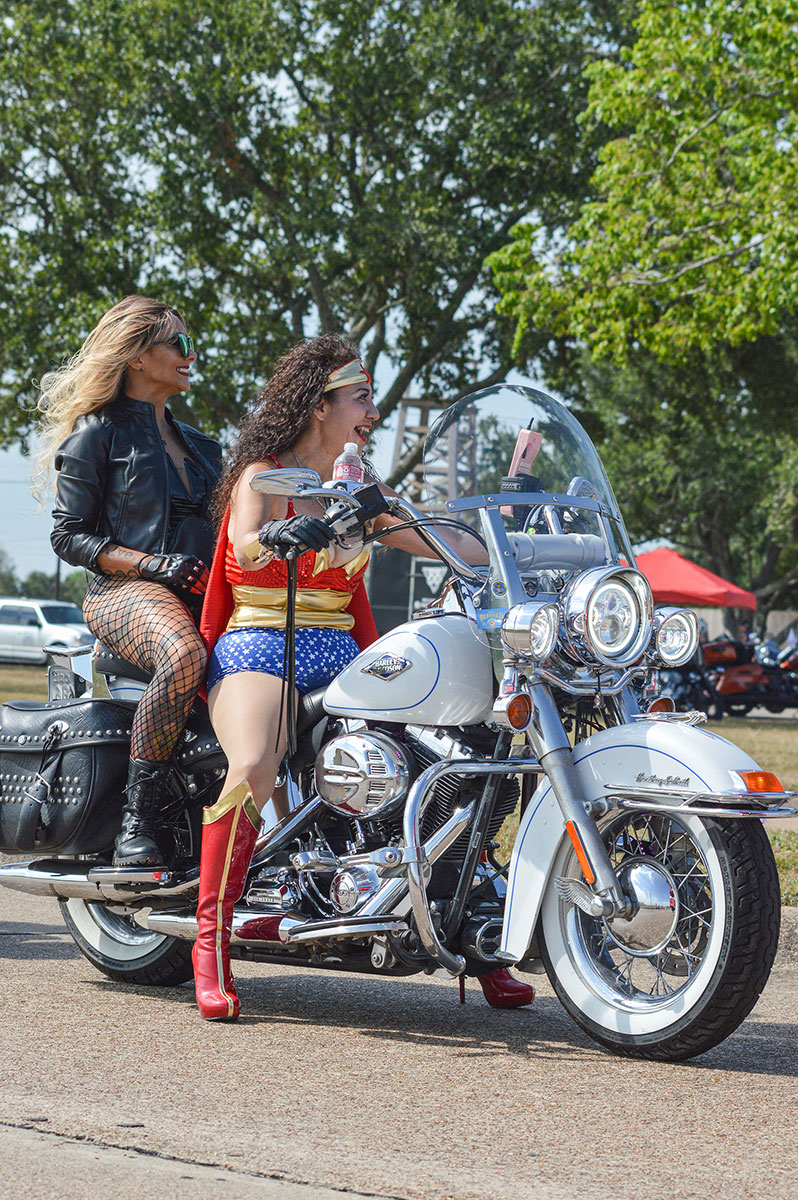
136, 843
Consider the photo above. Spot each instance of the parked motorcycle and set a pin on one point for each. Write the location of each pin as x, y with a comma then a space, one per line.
743, 681
641, 878
690, 689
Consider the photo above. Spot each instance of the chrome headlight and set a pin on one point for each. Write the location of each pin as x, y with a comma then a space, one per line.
530, 630
608, 616
675, 635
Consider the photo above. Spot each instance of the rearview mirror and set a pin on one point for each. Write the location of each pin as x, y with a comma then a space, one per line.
290, 481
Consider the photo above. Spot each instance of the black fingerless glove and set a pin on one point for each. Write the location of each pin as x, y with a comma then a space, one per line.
295, 534
180, 572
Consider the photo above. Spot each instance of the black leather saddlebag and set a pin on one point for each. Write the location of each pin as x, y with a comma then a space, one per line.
63, 768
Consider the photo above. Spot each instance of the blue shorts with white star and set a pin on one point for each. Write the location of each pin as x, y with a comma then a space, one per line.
320, 655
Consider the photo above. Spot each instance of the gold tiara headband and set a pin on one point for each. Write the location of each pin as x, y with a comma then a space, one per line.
351, 372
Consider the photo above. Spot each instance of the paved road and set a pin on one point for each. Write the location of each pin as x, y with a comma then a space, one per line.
349, 1084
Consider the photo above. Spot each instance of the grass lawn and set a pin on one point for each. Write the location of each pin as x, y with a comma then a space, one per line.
22, 682
772, 742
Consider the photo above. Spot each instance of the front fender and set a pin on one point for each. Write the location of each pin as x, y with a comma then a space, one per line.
645, 753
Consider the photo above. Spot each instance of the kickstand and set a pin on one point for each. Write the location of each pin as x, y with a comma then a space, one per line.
461, 981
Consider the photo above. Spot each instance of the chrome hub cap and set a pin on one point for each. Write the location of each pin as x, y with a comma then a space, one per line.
655, 908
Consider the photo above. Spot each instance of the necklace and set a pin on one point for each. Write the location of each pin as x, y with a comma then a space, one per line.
302, 467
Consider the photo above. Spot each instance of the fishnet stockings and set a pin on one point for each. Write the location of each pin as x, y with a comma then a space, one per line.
149, 626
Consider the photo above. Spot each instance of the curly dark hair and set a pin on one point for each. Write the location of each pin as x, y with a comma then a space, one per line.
284, 407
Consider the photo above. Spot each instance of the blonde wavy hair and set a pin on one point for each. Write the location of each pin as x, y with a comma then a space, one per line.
93, 377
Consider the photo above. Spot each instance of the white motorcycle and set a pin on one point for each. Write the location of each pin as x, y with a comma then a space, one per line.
641, 878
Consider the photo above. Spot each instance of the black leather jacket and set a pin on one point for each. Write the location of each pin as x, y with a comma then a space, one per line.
113, 482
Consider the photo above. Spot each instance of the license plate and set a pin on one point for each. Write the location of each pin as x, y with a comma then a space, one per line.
60, 683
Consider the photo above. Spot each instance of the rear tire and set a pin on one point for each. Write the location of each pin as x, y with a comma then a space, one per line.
113, 942
123, 950
694, 970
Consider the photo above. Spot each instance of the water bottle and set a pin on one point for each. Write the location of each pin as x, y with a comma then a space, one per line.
348, 466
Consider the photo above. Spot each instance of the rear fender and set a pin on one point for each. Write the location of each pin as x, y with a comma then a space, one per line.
651, 754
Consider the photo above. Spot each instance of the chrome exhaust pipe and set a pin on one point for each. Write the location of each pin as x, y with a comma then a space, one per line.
249, 927
59, 877
272, 929
46, 878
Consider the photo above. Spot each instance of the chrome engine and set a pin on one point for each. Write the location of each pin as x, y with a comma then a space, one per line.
352, 886
364, 776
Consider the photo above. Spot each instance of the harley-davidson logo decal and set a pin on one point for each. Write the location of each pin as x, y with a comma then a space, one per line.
670, 781
388, 666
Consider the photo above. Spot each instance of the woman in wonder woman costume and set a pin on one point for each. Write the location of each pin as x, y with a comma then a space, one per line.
318, 398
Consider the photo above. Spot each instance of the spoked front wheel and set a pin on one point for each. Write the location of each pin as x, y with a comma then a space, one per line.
689, 964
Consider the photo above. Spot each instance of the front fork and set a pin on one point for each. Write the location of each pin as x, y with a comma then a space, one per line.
546, 736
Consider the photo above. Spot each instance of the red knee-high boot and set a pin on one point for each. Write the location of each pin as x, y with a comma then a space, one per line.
229, 830
503, 990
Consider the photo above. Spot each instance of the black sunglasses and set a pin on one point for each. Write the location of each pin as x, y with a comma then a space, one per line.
183, 342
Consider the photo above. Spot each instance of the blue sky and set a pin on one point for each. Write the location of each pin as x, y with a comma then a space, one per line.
24, 526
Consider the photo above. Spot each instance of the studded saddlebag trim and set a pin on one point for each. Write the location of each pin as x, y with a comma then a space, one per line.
63, 766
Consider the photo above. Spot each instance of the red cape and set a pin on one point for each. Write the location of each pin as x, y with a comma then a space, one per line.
217, 606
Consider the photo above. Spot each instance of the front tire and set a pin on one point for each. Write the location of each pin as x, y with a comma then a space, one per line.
677, 979
123, 950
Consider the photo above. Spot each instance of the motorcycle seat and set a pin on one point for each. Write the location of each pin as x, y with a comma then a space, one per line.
108, 663
309, 713
311, 710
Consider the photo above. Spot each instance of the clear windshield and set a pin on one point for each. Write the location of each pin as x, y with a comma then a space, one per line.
470, 450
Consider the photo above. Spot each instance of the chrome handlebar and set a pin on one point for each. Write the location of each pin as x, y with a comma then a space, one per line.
404, 509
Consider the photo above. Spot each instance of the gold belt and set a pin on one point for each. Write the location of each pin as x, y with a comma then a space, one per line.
264, 608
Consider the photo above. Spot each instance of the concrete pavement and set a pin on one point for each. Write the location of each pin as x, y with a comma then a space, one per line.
335, 1083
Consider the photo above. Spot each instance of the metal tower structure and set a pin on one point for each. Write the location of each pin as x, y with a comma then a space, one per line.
455, 470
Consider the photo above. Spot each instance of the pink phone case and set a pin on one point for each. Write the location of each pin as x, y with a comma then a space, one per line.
526, 448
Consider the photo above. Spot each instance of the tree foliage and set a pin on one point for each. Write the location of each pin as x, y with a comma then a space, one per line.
39, 585
280, 167
670, 300
703, 452
8, 577
690, 235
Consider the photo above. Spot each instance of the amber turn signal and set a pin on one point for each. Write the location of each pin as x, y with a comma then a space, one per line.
519, 711
662, 704
761, 781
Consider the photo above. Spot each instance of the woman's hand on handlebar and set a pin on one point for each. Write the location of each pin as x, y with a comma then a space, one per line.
295, 535
180, 572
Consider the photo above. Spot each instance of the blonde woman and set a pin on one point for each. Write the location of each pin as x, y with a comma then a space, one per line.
133, 491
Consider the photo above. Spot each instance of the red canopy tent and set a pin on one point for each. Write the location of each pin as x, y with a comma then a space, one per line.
675, 579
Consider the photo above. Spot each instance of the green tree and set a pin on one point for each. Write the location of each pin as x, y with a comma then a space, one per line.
9, 584
279, 167
705, 453
73, 587
38, 585
689, 236
679, 268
